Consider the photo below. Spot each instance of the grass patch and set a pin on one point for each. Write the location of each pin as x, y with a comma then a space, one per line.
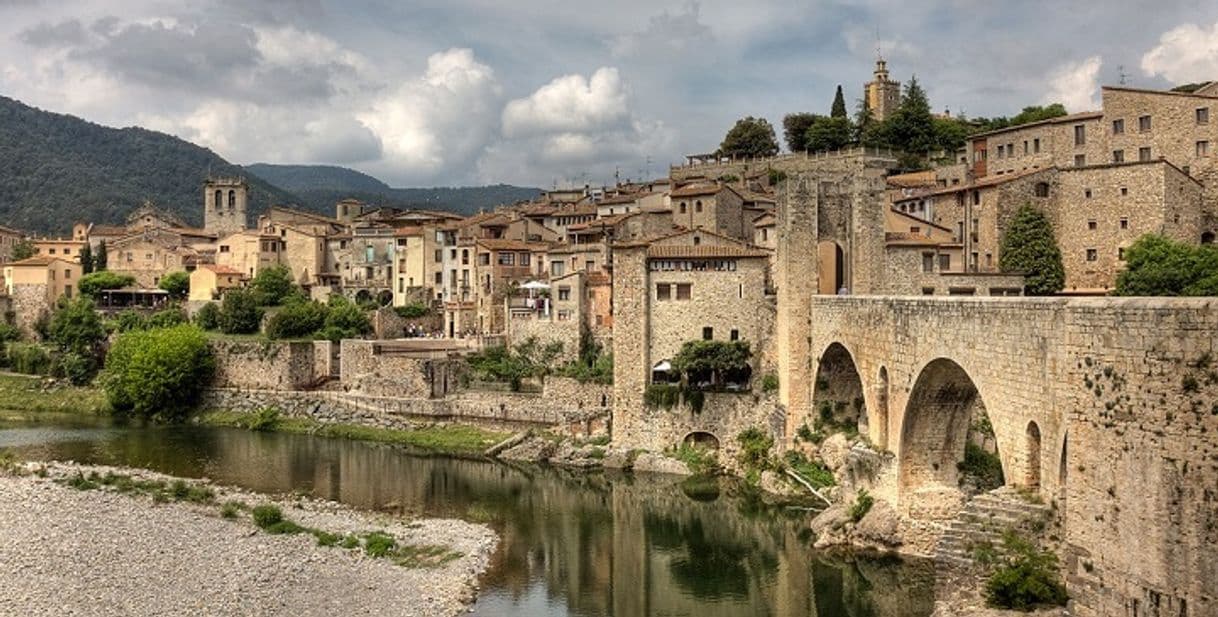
862, 505
159, 490
231, 509
813, 472
984, 467
701, 461
378, 544
448, 439
25, 393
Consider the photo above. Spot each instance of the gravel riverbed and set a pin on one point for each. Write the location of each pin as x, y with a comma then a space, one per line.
65, 551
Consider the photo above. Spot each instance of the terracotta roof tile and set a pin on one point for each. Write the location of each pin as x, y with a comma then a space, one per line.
666, 251
697, 189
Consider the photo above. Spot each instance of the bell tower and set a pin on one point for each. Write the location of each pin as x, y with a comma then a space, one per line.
882, 95
224, 205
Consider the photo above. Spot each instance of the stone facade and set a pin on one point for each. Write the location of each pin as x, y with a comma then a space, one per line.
377, 368
225, 205
265, 365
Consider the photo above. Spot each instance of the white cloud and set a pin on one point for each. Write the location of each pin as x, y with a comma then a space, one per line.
438, 121
1187, 53
1075, 85
569, 104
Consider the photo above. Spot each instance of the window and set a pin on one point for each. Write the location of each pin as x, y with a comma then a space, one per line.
1025, 146
1080, 135
1092, 254
1144, 154
1118, 156
945, 262
1036, 145
452, 254
67, 273
1124, 190
1000, 152
708, 333
1203, 148
765, 234
1092, 224
683, 291
928, 262
682, 207
439, 278
928, 291
1042, 189
1121, 254
1203, 115
1124, 223
1080, 160
556, 268
465, 257
976, 198
698, 206
564, 293
1087, 193
369, 253
1118, 127
526, 259
1144, 124
439, 255
507, 259
589, 266
735, 336
223, 248
51, 251
484, 259
989, 260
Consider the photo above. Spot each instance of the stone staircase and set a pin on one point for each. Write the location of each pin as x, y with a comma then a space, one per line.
983, 520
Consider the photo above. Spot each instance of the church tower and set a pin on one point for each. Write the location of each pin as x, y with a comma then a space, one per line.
224, 205
881, 94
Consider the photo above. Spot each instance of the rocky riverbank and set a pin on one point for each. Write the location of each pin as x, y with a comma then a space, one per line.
91, 540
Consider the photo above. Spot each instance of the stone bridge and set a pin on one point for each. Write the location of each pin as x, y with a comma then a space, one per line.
1106, 406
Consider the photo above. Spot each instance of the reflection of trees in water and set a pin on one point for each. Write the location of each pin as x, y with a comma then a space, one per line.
605, 544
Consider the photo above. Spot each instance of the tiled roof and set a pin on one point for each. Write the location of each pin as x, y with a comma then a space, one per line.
220, 269
500, 244
624, 199
697, 189
1084, 115
413, 230
989, 181
36, 260
667, 251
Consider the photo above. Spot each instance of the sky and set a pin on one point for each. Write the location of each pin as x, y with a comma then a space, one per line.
545, 93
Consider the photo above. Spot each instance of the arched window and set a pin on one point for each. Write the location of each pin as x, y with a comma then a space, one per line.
219, 200
682, 207
232, 199
698, 206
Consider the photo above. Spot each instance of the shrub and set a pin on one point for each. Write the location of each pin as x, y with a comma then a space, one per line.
208, 316
414, 310
769, 383
297, 320
230, 509
9, 332
76, 368
378, 544
814, 472
661, 396
266, 515
265, 419
166, 318
75, 327
755, 447
273, 285
129, 320
862, 505
700, 460
345, 320
177, 284
29, 358
96, 282
239, 313
982, 466
158, 373
713, 362
1027, 579
1159, 266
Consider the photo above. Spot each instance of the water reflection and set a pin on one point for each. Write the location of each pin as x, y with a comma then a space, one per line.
572, 543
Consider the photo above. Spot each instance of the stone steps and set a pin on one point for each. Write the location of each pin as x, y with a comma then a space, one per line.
983, 521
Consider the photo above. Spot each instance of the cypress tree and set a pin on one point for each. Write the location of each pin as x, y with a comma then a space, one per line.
1029, 247
839, 105
100, 259
86, 259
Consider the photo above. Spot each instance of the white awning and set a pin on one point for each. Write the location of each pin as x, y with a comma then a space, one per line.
663, 366
535, 285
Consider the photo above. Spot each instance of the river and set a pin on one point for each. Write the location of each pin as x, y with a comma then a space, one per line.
572, 543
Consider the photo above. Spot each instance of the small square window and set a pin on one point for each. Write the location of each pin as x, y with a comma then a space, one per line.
1092, 254
1203, 115
735, 334
1124, 223
1203, 148
1118, 156
708, 333
1144, 154
1080, 160
1118, 127
663, 291
1036, 145
1087, 193
1124, 190
1092, 224
1144, 124
684, 291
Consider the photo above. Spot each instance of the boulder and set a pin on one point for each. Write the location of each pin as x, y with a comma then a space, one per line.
832, 526
617, 459
651, 462
532, 450
880, 527
774, 483
834, 451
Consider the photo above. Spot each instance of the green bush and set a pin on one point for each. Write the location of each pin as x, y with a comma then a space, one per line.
1027, 579
700, 460
9, 332
297, 320
271, 286
862, 505
982, 466
265, 419
177, 284
769, 383
714, 362
512, 365
29, 358
75, 327
76, 368
158, 373
414, 310
93, 283
167, 318
755, 450
1159, 266
128, 320
345, 320
814, 472
208, 316
662, 396
240, 313
378, 544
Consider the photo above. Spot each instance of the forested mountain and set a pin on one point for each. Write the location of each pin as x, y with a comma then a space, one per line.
57, 169
318, 187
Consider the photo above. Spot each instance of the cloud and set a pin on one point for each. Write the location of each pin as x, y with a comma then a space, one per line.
570, 103
64, 33
440, 120
1187, 53
1075, 85
666, 35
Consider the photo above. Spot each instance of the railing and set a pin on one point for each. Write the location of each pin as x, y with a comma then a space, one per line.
818, 155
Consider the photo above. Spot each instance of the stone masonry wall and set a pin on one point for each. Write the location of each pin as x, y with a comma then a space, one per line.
268, 365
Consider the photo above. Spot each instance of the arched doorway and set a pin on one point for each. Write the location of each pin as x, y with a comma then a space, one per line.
385, 297
881, 409
837, 396
363, 296
1032, 477
832, 267
946, 437
1207, 237
702, 439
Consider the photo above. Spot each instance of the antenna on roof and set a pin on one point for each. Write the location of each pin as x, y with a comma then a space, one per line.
1121, 73
879, 52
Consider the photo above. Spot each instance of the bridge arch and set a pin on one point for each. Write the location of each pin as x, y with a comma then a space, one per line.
703, 439
944, 414
838, 397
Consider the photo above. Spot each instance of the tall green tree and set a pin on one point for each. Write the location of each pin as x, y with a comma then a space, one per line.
272, 285
24, 249
865, 127
795, 129
91, 284
911, 127
750, 137
158, 373
1029, 247
240, 313
828, 134
1159, 266
101, 260
177, 284
839, 104
86, 259
1037, 113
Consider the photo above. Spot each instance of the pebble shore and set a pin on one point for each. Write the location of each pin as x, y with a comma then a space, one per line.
65, 551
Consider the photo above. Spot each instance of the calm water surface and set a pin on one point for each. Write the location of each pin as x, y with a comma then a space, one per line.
571, 543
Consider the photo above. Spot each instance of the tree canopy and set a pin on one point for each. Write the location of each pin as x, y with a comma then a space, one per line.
750, 137
713, 362
1159, 266
1030, 247
271, 286
838, 110
795, 130
177, 284
159, 372
92, 284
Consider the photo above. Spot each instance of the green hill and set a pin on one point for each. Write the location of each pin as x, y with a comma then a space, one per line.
318, 187
57, 169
